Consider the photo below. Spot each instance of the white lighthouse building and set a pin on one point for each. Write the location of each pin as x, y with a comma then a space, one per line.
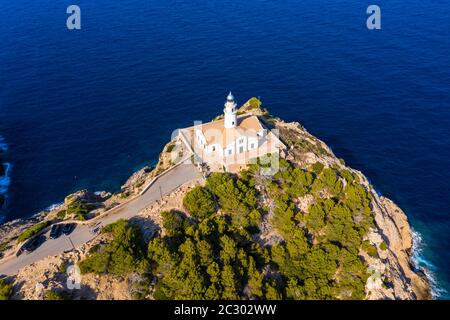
229, 143
230, 112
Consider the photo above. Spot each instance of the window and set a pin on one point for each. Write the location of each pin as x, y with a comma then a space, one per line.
229, 151
241, 149
214, 148
252, 146
241, 140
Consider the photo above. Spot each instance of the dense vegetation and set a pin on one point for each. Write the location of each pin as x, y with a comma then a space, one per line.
214, 250
124, 254
5, 290
33, 231
199, 202
253, 103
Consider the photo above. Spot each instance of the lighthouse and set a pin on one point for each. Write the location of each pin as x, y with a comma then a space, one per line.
230, 112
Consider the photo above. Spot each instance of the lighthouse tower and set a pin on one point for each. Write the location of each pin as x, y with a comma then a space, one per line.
230, 112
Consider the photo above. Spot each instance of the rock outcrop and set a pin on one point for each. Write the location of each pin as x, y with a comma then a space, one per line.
86, 196
403, 279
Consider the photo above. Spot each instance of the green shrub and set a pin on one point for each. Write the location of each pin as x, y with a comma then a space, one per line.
174, 222
269, 118
33, 231
254, 103
5, 246
125, 195
139, 184
6, 290
329, 181
304, 145
170, 147
62, 268
141, 289
199, 202
383, 246
369, 248
80, 217
56, 295
347, 175
235, 197
80, 209
122, 255
294, 181
317, 167
213, 261
61, 214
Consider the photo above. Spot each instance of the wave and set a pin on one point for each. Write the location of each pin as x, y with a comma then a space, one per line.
5, 180
54, 206
4, 186
421, 263
3, 145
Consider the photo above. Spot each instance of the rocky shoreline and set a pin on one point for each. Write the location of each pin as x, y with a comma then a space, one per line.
393, 275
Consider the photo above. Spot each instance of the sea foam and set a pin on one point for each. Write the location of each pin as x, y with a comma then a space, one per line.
5, 180
3, 145
54, 206
420, 262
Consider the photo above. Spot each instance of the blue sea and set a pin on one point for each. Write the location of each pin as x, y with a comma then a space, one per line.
86, 108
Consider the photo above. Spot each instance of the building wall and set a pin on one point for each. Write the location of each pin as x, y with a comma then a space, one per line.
200, 137
242, 143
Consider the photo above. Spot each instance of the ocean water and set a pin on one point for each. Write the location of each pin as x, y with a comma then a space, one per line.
85, 109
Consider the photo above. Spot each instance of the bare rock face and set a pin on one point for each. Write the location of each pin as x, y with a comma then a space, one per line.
14, 228
405, 281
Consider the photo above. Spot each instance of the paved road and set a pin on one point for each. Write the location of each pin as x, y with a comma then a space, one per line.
165, 184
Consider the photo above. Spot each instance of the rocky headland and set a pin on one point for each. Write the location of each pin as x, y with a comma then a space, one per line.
391, 273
